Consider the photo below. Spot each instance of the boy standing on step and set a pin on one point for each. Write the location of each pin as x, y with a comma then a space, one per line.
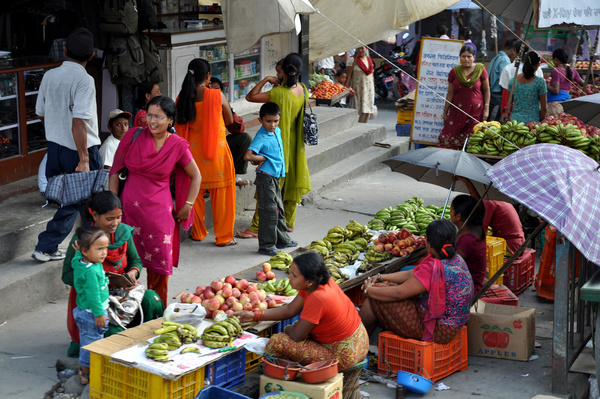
266, 151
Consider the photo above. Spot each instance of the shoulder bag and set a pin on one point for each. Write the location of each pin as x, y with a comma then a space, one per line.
123, 172
311, 128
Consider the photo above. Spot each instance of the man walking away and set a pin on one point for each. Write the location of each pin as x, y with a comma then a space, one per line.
67, 105
497, 64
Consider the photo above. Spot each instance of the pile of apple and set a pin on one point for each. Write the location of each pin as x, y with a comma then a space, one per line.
565, 119
399, 243
229, 295
266, 273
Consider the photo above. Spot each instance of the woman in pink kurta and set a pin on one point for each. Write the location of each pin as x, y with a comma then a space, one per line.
150, 158
469, 90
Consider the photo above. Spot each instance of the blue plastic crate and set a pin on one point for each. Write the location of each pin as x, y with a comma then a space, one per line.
279, 327
215, 392
403, 129
229, 371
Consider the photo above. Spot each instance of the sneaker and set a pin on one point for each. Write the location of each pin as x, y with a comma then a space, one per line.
241, 182
291, 244
44, 257
268, 252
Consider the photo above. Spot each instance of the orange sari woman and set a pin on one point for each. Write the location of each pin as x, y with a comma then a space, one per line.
202, 114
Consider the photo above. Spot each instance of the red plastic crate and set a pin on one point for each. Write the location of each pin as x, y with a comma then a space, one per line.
428, 359
519, 275
501, 295
356, 295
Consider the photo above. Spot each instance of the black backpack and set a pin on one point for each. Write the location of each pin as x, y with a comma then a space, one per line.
147, 18
125, 60
118, 17
154, 69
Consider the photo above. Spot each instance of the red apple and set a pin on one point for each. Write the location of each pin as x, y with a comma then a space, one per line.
263, 305
392, 237
270, 275
227, 292
224, 307
241, 284
220, 292
271, 303
403, 252
262, 295
255, 301
404, 232
251, 287
244, 298
388, 247
220, 299
196, 299
229, 312
402, 244
214, 304
261, 276
231, 280
217, 312
383, 239
237, 307
209, 293
396, 251
216, 285
227, 285
236, 292
186, 297
410, 248
205, 302
253, 294
200, 289
231, 301
379, 248
397, 243
247, 306
410, 240
266, 267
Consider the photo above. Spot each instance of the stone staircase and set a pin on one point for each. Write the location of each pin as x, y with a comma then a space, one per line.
345, 151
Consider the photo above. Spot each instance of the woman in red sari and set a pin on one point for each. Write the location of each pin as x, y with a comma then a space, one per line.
147, 202
469, 90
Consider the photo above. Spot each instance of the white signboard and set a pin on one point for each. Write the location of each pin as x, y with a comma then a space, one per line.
438, 57
560, 12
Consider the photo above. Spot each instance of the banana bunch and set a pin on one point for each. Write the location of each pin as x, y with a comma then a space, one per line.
569, 136
158, 352
594, 148
222, 333
405, 216
494, 139
360, 243
518, 135
334, 268
440, 210
337, 235
342, 259
281, 261
485, 124
321, 246
365, 266
175, 334
376, 224
281, 287
376, 256
349, 248
358, 230
423, 217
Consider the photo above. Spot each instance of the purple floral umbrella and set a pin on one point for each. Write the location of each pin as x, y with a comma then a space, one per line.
560, 184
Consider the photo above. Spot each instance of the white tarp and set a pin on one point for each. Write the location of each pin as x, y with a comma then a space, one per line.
247, 21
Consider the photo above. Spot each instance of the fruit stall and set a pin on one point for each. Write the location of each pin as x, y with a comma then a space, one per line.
325, 92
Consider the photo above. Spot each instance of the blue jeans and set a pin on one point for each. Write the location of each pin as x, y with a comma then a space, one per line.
88, 332
63, 160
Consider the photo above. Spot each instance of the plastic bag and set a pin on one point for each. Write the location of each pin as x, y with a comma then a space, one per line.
185, 313
256, 345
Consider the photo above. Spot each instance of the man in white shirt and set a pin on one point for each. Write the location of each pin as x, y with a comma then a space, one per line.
509, 71
326, 67
66, 103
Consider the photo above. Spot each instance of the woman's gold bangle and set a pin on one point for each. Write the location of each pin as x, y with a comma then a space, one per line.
189, 203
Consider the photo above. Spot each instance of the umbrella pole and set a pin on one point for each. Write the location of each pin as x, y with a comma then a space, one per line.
448, 196
509, 262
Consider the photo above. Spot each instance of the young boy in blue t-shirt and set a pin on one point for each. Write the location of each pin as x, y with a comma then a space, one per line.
266, 151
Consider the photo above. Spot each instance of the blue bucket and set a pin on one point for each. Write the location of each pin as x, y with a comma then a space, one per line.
414, 382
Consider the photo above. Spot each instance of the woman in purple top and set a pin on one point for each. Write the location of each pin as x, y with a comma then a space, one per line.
561, 77
470, 241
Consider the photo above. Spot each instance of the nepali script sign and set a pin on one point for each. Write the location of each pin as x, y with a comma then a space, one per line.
438, 57
560, 13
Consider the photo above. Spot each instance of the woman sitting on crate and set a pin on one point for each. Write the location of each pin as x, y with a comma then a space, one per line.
430, 302
470, 241
329, 326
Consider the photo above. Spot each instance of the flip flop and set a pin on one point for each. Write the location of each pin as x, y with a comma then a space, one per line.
246, 234
232, 242
291, 244
290, 229
268, 252
83, 375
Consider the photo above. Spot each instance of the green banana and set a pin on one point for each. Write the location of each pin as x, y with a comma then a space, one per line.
190, 349
163, 330
214, 344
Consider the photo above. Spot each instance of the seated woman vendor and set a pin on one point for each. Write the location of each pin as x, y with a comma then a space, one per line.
329, 325
430, 302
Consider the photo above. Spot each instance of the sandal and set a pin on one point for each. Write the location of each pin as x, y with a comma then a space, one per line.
232, 242
290, 229
246, 234
291, 244
85, 378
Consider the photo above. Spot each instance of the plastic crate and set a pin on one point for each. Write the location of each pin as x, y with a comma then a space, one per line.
356, 295
428, 359
520, 273
501, 295
544, 280
405, 116
215, 392
109, 380
495, 250
403, 129
229, 371
279, 327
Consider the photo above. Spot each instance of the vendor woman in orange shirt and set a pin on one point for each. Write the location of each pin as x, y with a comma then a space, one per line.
329, 325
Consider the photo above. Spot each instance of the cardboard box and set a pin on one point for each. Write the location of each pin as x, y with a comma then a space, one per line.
501, 331
330, 389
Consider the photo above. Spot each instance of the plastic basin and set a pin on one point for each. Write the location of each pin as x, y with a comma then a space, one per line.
414, 382
315, 373
280, 368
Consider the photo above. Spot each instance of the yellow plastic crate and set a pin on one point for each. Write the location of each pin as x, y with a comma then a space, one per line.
405, 116
109, 380
495, 250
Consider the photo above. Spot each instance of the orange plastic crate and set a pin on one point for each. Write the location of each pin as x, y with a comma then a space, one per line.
544, 281
519, 275
428, 359
109, 380
405, 116
356, 295
495, 250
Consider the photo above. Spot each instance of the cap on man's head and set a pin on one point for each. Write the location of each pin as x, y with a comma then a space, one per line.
80, 42
117, 113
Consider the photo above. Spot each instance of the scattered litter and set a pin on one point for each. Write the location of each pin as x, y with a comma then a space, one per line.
54, 302
442, 387
534, 357
590, 344
364, 394
21, 357
390, 385
340, 199
3, 323
539, 312
524, 375
537, 345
